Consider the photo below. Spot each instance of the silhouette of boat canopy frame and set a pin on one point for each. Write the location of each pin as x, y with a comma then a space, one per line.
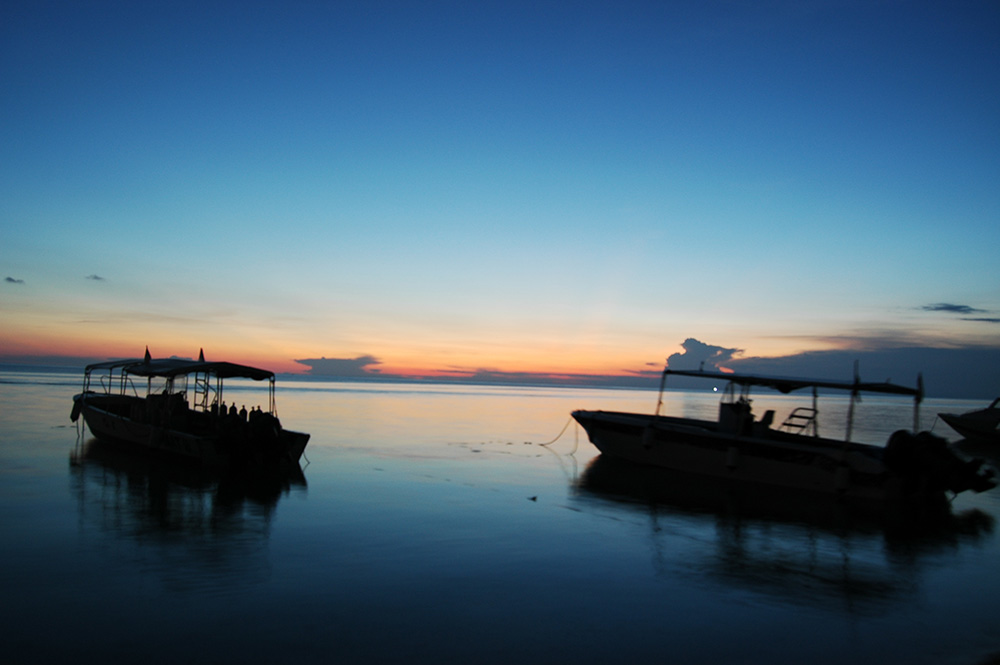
179, 408
793, 455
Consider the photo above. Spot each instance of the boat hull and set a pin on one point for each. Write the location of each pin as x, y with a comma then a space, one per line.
768, 457
112, 419
980, 426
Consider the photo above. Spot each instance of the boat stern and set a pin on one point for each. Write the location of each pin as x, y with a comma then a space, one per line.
295, 444
926, 464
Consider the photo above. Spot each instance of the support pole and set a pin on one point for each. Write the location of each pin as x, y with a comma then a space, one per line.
663, 382
850, 407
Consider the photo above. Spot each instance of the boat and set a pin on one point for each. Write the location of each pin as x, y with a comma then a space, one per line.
177, 406
982, 426
742, 448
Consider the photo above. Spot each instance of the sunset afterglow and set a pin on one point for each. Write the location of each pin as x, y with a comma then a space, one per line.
503, 188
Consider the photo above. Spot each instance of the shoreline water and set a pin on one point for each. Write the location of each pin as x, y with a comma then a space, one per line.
431, 525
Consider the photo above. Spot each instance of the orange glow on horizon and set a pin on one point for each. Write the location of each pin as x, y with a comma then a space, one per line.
283, 360
279, 360
417, 358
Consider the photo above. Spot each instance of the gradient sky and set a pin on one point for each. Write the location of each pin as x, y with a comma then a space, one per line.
540, 187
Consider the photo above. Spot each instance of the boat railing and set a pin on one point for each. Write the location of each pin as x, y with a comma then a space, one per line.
107, 382
106, 389
801, 420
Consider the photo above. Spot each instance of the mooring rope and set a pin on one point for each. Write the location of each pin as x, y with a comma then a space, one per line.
561, 432
934, 424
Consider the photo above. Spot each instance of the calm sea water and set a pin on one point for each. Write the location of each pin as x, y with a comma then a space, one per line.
430, 525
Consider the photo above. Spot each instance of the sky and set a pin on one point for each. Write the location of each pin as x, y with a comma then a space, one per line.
466, 189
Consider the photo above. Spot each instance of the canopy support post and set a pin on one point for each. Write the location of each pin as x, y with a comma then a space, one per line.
663, 382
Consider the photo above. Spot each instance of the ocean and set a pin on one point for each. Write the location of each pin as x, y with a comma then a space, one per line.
469, 524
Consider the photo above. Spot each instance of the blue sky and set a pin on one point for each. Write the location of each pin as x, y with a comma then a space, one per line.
541, 187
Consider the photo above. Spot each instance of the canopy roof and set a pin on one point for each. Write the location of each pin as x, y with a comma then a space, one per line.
170, 367
786, 385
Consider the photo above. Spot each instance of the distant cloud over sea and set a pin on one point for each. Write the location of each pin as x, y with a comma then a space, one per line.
343, 367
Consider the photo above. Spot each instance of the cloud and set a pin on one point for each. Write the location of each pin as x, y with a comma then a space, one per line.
960, 309
700, 355
953, 309
947, 372
346, 367
96, 278
11, 280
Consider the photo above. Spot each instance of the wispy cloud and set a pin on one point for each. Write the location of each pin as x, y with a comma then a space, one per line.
11, 280
963, 310
869, 339
953, 309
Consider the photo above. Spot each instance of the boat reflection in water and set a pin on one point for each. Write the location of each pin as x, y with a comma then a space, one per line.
792, 547
200, 528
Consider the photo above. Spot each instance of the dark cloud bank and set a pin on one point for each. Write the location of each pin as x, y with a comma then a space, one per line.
965, 372
962, 372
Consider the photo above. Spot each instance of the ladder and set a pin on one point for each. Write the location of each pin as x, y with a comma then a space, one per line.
800, 421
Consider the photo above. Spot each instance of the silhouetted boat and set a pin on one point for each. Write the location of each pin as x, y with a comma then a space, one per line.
161, 414
793, 455
982, 426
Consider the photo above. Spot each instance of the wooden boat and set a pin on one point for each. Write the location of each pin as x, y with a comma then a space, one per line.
177, 406
739, 447
982, 426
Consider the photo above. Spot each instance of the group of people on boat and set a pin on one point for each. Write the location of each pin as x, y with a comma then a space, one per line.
242, 413
239, 425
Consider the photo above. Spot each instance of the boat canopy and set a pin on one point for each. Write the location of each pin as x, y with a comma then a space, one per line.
171, 367
786, 385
